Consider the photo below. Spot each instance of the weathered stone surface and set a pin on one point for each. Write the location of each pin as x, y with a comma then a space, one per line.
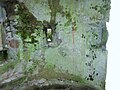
1, 46
57, 39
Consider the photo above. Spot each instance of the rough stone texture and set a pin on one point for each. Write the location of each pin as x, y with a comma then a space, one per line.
77, 47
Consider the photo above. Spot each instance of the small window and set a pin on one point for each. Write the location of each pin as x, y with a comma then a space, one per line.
48, 31
49, 35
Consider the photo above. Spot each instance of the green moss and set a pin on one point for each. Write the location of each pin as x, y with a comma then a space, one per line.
49, 73
36, 1
102, 8
1, 57
104, 37
8, 66
18, 83
27, 23
68, 17
55, 8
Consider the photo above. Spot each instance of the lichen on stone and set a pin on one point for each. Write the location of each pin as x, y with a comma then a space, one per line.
75, 53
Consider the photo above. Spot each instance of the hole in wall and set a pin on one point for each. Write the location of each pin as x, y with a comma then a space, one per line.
48, 31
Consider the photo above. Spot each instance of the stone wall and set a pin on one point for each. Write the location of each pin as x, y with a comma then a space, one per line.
58, 39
